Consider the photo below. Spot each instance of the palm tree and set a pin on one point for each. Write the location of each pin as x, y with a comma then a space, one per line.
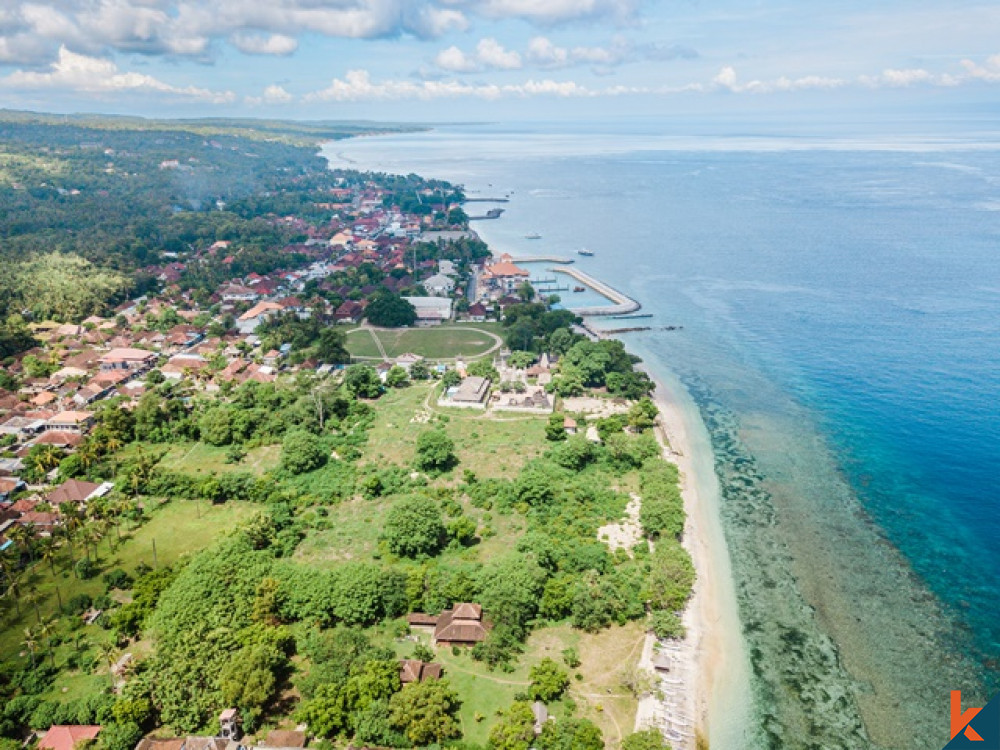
21, 536
13, 589
108, 651
31, 643
47, 553
32, 598
46, 629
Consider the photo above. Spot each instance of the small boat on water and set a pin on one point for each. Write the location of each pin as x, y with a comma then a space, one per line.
579, 289
586, 252
533, 236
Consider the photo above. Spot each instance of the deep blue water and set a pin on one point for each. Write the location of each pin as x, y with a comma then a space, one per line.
859, 277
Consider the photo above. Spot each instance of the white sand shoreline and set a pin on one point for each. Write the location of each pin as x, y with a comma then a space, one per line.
708, 685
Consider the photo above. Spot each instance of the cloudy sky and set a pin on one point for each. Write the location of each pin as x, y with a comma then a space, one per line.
493, 59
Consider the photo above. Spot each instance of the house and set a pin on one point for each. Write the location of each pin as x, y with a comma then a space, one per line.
431, 310
471, 392
541, 714
349, 312
477, 312
406, 361
438, 285
10, 485
238, 293
569, 425
503, 276
70, 421
180, 365
65, 737
76, 491
248, 321
127, 358
41, 521
59, 438
462, 625
230, 724
413, 670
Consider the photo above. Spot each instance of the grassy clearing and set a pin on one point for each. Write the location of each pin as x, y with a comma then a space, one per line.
490, 446
599, 696
179, 527
439, 342
200, 458
354, 528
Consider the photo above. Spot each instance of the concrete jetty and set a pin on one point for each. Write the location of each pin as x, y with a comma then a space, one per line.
541, 259
623, 304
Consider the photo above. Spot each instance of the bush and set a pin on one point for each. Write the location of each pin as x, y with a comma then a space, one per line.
571, 658
414, 526
548, 681
117, 579
666, 624
302, 451
435, 451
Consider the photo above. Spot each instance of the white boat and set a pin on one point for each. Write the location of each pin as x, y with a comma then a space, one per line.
586, 252
533, 236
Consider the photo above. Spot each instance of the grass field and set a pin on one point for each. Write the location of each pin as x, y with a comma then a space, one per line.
490, 446
200, 458
599, 696
439, 342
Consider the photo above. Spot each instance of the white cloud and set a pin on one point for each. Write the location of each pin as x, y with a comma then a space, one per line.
489, 55
273, 94
990, 72
92, 75
258, 44
456, 61
357, 85
31, 31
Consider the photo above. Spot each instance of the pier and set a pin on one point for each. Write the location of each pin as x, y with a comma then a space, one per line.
493, 213
542, 259
623, 304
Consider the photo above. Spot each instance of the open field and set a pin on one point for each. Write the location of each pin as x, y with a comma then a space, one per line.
599, 695
439, 342
490, 446
201, 458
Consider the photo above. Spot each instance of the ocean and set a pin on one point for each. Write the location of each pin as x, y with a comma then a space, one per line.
838, 303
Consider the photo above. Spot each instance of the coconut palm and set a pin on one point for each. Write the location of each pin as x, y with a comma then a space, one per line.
108, 650
31, 643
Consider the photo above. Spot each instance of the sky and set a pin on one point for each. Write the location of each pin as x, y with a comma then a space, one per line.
459, 60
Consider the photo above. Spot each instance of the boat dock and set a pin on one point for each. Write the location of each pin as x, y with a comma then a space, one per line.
493, 213
623, 304
542, 259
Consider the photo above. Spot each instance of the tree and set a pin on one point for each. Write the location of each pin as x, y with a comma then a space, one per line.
325, 713
451, 378
330, 348
215, 426
388, 309
419, 370
425, 712
515, 729
362, 381
555, 430
570, 734
671, 576
548, 681
396, 377
249, 679
642, 414
647, 739
119, 736
435, 451
414, 526
483, 368
526, 292
666, 624
302, 451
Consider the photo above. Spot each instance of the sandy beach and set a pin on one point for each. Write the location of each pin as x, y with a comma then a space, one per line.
706, 686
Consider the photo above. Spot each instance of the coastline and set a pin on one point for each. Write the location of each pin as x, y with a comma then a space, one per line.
717, 678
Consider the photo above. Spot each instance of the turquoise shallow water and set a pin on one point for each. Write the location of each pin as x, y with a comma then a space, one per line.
840, 300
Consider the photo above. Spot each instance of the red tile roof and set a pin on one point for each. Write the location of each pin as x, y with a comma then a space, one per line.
64, 737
